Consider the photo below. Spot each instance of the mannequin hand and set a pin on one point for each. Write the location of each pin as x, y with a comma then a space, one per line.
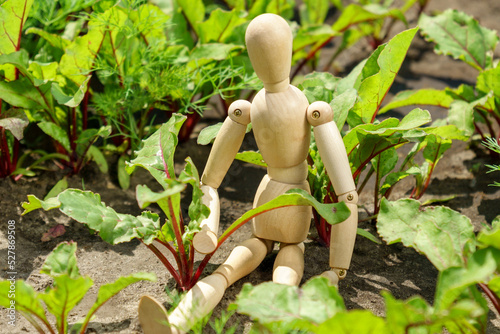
205, 241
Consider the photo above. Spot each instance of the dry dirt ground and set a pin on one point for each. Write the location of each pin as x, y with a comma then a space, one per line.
374, 267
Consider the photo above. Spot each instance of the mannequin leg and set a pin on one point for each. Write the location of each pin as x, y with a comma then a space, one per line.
208, 292
289, 264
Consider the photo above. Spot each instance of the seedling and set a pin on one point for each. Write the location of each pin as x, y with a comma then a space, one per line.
66, 292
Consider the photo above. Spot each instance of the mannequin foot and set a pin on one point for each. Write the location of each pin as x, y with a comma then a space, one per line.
153, 317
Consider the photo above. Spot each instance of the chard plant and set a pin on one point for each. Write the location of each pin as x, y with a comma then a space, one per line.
472, 108
465, 261
67, 291
176, 232
53, 94
371, 20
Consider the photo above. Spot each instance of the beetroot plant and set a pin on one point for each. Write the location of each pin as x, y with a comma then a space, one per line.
67, 291
176, 233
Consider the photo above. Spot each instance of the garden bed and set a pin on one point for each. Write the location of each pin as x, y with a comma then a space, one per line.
461, 173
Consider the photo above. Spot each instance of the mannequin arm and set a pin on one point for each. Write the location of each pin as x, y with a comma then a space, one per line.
332, 151
226, 145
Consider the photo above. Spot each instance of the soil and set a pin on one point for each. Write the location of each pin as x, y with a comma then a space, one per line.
402, 271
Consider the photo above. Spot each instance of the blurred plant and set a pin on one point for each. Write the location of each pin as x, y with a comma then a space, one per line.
372, 20
176, 234
471, 108
55, 94
66, 292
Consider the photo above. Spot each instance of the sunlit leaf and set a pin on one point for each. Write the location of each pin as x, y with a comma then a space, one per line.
407, 222
459, 35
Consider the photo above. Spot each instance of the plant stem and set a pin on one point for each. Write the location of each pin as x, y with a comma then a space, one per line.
167, 264
172, 251
309, 56
491, 295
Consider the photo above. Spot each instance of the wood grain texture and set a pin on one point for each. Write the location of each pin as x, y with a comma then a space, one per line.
280, 127
332, 151
226, 145
289, 224
289, 264
198, 302
269, 43
153, 316
244, 259
342, 239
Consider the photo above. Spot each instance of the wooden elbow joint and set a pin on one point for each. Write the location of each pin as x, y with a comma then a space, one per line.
319, 113
350, 197
239, 112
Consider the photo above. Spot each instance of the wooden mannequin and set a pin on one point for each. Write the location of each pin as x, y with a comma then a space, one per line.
281, 120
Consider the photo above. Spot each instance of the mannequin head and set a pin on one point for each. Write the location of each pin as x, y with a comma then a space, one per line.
269, 43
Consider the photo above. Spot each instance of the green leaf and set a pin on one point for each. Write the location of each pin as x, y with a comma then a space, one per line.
87, 208
194, 10
488, 81
146, 196
206, 53
74, 99
150, 22
354, 14
55, 40
23, 94
15, 121
56, 133
333, 213
435, 148
220, 25
66, 293
341, 105
61, 185
78, 60
385, 162
291, 306
251, 157
460, 36
490, 236
461, 114
13, 15
25, 298
415, 313
368, 235
379, 73
407, 222
319, 86
123, 174
109, 290
197, 211
35, 203
314, 12
208, 134
157, 153
429, 96
453, 281
62, 261
89, 136
95, 154
353, 322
